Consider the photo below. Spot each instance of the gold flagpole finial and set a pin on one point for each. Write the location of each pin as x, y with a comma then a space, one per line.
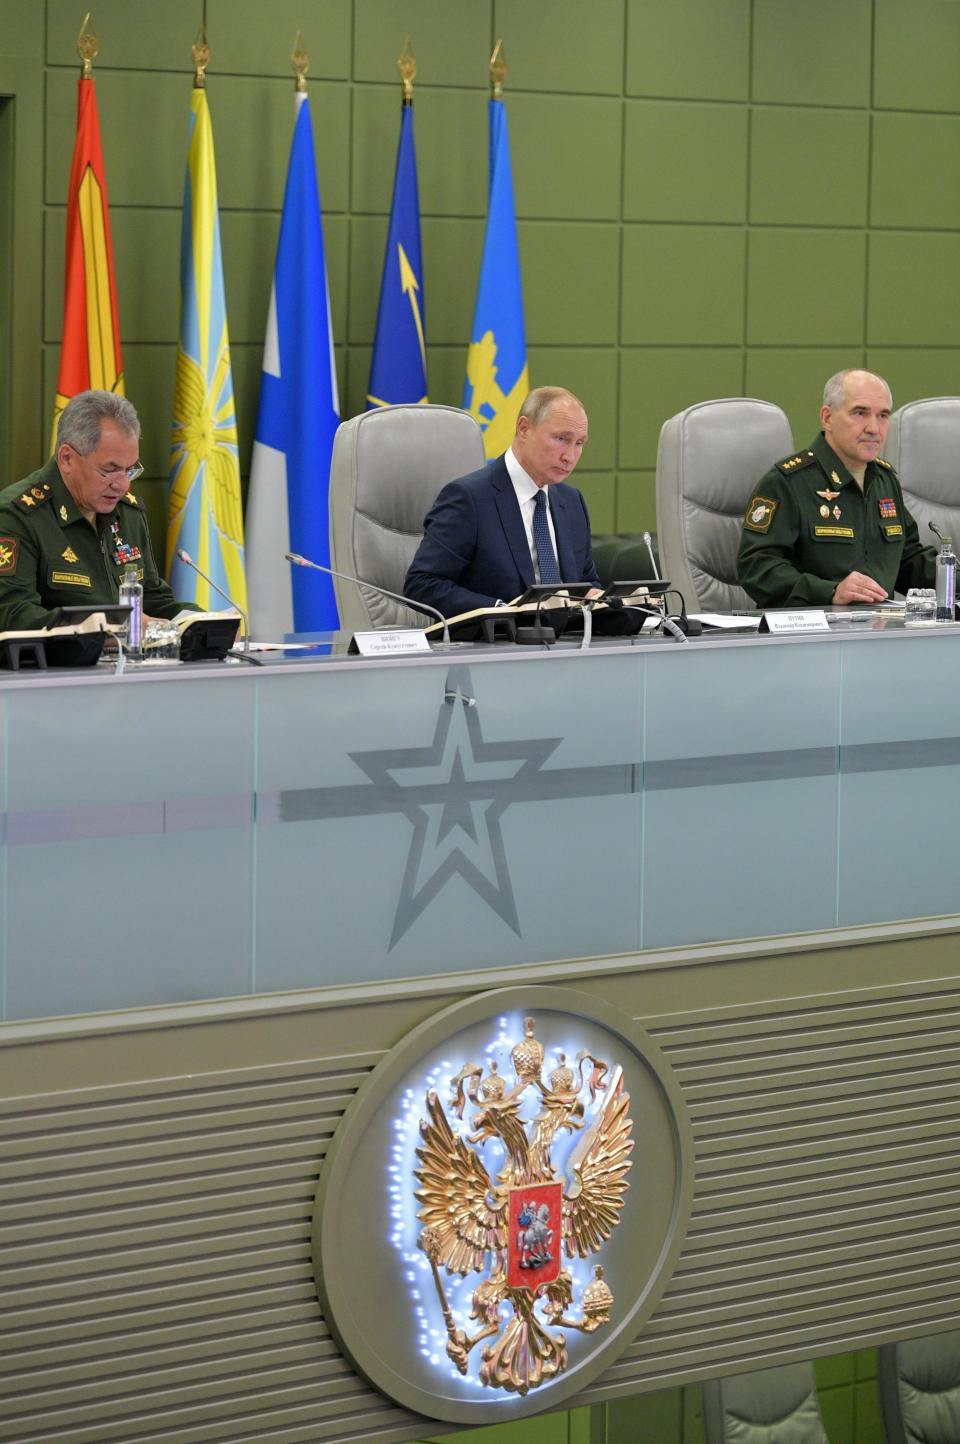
300, 61
88, 45
498, 69
201, 57
407, 66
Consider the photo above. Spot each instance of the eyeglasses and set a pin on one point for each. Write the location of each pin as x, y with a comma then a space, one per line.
132, 473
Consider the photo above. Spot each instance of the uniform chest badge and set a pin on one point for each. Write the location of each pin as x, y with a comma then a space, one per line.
836, 513
828, 495
123, 551
69, 555
824, 510
888, 508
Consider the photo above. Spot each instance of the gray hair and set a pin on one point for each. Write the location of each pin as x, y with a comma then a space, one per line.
538, 402
84, 414
835, 389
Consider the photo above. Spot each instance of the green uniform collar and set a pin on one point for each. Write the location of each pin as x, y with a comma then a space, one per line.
834, 468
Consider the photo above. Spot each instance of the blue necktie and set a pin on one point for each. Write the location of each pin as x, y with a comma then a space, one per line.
546, 556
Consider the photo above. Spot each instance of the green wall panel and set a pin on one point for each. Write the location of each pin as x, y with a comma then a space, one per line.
917, 43
682, 285
924, 371
580, 57
656, 383
448, 125
250, 38
253, 126
809, 167
576, 293
794, 379
636, 501
692, 182
452, 43
155, 109
134, 35
914, 299
695, 49
916, 171
806, 287
146, 247
24, 24
684, 162
815, 52
565, 152
600, 493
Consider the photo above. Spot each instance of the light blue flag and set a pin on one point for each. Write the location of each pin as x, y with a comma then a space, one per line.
298, 414
204, 517
497, 378
398, 372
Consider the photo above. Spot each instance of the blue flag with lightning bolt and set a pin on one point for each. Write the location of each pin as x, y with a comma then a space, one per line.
297, 417
398, 372
497, 378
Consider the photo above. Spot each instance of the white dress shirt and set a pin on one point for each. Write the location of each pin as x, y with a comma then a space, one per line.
526, 489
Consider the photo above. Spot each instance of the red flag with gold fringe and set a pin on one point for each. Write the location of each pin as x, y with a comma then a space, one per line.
90, 348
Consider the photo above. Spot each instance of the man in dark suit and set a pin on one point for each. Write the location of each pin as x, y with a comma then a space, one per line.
492, 534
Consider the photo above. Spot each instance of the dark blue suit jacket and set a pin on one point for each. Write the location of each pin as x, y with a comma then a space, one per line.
474, 550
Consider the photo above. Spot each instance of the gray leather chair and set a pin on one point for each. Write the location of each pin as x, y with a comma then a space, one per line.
772, 1406
923, 445
709, 462
919, 1383
386, 470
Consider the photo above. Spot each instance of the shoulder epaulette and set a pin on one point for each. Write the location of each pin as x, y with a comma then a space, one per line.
33, 496
794, 463
882, 461
130, 499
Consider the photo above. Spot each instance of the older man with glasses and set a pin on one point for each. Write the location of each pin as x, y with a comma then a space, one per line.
70, 530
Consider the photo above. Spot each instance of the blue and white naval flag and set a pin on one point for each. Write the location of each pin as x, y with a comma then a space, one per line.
298, 415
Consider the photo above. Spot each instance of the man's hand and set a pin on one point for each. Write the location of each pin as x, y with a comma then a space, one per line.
858, 587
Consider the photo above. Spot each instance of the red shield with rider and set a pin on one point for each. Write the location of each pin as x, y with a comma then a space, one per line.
534, 1249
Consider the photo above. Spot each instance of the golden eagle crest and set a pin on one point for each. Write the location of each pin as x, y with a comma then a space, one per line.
515, 1227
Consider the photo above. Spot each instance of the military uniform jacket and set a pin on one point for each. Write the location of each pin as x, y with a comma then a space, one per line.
51, 556
809, 525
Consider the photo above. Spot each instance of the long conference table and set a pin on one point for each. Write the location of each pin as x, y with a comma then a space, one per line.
227, 891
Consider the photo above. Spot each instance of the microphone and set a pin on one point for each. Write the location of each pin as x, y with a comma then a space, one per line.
936, 530
188, 561
299, 561
648, 542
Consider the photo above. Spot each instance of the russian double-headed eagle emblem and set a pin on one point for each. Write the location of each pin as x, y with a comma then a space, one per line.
517, 1227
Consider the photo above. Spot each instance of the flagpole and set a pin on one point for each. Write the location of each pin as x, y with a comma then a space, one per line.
497, 376
90, 337
204, 515
398, 363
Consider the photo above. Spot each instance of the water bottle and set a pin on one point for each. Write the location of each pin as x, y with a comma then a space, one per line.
131, 594
946, 580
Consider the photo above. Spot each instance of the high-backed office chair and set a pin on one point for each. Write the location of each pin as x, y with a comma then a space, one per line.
919, 1383
923, 445
772, 1406
709, 462
386, 470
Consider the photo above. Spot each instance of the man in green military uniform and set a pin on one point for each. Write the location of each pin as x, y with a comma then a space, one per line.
70, 530
829, 525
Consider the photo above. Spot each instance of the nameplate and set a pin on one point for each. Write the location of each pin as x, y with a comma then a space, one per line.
780, 623
391, 644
